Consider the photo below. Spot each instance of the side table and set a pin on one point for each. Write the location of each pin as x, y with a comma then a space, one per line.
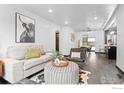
1, 68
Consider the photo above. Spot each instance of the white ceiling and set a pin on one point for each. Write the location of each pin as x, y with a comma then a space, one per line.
79, 16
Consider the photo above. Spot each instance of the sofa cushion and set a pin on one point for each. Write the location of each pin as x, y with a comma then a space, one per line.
36, 61
16, 52
75, 59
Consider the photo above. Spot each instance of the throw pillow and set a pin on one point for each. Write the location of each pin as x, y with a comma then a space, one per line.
16, 52
38, 48
32, 54
75, 54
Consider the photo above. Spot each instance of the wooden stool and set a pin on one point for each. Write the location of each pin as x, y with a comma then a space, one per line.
1, 68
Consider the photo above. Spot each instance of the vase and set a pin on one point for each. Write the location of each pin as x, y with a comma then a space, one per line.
57, 61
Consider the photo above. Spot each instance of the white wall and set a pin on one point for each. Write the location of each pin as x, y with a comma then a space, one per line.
120, 37
65, 39
98, 35
45, 30
100, 41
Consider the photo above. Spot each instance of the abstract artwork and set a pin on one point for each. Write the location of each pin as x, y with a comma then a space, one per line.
25, 29
72, 36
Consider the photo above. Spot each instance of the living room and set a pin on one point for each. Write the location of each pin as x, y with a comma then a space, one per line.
62, 28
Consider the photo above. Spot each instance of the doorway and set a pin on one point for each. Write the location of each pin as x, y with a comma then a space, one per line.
57, 41
91, 42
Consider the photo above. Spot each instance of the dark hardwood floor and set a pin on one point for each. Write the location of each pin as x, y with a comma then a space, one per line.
103, 70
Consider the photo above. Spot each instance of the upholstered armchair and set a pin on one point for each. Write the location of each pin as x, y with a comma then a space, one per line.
78, 54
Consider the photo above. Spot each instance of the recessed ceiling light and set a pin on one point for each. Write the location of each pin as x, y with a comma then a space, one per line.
66, 22
95, 18
50, 10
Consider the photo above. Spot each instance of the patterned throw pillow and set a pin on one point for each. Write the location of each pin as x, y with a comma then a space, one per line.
36, 47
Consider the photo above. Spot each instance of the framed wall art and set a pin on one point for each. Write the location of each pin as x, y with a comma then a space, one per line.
25, 29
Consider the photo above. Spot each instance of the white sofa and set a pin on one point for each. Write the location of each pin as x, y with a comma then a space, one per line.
17, 68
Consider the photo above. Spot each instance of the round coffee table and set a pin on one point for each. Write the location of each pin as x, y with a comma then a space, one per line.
61, 75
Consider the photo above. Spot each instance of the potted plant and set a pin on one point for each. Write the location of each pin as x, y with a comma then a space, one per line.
56, 56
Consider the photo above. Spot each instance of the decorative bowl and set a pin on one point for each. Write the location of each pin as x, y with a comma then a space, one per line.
62, 63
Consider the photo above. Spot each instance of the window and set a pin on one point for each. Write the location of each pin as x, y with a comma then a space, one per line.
91, 39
